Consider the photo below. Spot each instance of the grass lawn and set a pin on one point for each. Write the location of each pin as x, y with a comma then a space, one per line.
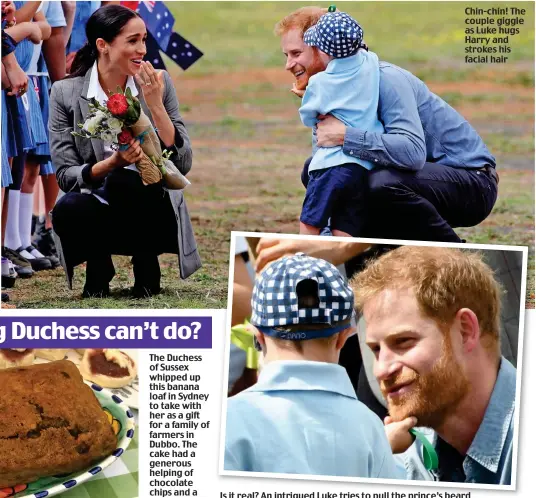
249, 144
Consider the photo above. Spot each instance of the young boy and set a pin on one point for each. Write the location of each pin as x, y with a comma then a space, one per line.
348, 89
302, 416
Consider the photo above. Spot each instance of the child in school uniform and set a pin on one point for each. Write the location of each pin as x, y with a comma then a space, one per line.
302, 416
348, 89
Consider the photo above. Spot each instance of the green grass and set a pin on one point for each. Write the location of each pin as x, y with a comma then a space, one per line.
239, 35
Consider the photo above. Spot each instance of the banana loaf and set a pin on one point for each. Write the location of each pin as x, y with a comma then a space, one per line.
50, 423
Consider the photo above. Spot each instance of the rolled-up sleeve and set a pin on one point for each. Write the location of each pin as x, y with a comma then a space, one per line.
181, 151
71, 171
403, 144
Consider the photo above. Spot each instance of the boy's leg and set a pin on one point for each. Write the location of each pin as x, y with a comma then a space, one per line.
318, 203
349, 197
306, 229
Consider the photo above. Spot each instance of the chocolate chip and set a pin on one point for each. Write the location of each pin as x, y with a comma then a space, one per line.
82, 448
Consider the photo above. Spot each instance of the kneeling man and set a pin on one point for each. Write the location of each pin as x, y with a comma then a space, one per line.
432, 322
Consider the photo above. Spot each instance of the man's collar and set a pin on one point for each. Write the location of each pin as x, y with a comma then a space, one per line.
488, 444
304, 376
94, 85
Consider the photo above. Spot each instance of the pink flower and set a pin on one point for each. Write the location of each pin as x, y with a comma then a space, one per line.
117, 104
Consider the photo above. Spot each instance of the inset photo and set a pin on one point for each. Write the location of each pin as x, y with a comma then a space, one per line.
68, 421
354, 359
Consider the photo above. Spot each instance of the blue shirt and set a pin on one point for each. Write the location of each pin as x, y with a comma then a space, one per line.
349, 90
303, 417
489, 458
419, 127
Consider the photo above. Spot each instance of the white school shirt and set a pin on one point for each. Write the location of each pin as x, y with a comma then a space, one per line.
95, 91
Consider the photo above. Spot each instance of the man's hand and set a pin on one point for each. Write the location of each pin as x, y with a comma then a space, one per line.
330, 131
269, 250
398, 433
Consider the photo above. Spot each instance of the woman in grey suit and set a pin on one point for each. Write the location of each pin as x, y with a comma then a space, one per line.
104, 208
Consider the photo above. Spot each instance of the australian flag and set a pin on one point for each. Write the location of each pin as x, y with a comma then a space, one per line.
158, 20
182, 51
161, 37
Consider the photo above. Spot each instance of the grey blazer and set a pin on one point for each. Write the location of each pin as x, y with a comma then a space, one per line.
71, 155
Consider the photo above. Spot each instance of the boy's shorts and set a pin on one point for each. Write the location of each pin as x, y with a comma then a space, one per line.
336, 196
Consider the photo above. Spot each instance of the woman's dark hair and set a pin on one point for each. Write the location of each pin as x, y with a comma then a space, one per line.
106, 23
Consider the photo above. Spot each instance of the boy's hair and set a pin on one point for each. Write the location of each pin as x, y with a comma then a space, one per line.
307, 291
444, 280
302, 19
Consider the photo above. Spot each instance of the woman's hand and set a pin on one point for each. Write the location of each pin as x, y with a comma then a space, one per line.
152, 85
132, 155
398, 433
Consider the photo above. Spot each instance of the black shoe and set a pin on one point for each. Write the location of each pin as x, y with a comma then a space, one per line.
44, 242
146, 276
24, 271
38, 264
5, 297
96, 292
99, 273
21, 264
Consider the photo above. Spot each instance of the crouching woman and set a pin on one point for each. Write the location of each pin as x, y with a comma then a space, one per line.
104, 207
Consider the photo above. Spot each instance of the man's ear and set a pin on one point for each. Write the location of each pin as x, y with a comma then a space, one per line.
342, 337
469, 329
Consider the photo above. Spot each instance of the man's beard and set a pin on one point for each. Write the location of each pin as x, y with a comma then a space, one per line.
316, 66
431, 396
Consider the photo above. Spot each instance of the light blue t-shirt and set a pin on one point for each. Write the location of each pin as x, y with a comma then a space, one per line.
349, 90
489, 458
303, 417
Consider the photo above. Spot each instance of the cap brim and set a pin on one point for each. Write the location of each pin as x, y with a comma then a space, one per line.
303, 335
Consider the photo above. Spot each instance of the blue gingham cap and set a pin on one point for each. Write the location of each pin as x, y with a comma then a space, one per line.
275, 301
336, 34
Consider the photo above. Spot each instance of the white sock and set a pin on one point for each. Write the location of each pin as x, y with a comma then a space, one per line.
36, 253
25, 219
12, 227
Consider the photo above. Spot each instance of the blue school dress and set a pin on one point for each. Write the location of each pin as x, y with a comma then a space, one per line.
29, 111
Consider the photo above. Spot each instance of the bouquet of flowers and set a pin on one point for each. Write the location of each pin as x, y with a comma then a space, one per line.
123, 119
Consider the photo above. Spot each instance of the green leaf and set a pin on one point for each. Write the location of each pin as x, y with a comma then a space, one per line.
128, 93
